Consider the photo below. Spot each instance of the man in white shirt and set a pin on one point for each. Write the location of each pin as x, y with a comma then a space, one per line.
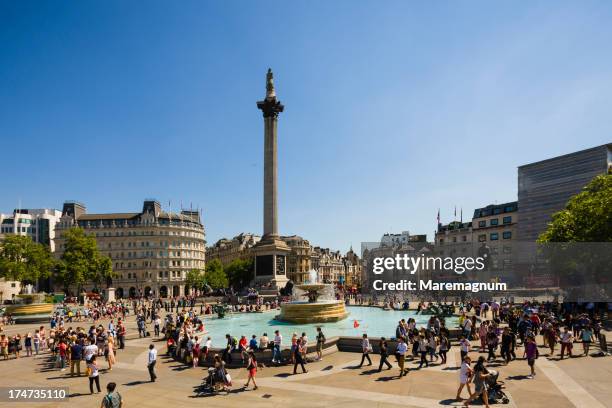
90, 350
276, 353
151, 362
400, 352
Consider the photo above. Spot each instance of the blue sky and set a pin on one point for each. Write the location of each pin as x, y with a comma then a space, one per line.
392, 109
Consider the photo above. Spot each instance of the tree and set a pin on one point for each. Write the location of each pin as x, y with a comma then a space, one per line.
81, 261
195, 279
215, 275
240, 272
587, 216
24, 260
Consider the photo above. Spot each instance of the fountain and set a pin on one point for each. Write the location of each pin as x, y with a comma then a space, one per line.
313, 303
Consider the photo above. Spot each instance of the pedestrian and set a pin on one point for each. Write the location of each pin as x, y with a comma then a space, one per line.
384, 353
93, 374
366, 349
400, 353
36, 341
531, 352
320, 343
465, 375
110, 352
480, 375
464, 344
567, 340
151, 362
586, 335
195, 350
28, 344
76, 354
251, 369
4, 346
276, 353
63, 350
423, 346
444, 346
112, 399
297, 358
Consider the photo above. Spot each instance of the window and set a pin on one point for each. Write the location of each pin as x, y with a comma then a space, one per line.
482, 223
482, 238
507, 234
508, 220
441, 241
454, 239
497, 211
494, 221
464, 238
494, 236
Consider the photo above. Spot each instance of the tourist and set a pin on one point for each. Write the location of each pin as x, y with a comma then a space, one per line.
465, 375
195, 351
251, 370
384, 353
483, 330
76, 354
567, 340
467, 328
121, 331
492, 342
423, 346
156, 325
112, 399
90, 350
264, 342
220, 374
366, 349
152, 359
207, 348
320, 343
16, 345
531, 352
587, 338
253, 343
276, 352
480, 375
110, 352
507, 345
400, 353
297, 358
93, 374
294, 346
62, 349
304, 342
432, 345
444, 346
28, 344
36, 341
464, 344
227, 353
4, 346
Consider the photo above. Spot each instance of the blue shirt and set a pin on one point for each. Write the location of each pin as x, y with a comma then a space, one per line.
253, 343
76, 351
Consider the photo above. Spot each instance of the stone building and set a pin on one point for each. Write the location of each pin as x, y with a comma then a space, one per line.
299, 260
353, 270
329, 265
151, 250
39, 225
228, 250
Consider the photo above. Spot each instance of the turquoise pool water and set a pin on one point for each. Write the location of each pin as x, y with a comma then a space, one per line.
372, 320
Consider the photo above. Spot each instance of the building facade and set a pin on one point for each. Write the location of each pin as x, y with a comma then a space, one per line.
546, 186
39, 225
151, 250
228, 250
299, 260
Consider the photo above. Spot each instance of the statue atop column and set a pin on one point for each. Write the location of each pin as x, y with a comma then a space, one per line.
270, 93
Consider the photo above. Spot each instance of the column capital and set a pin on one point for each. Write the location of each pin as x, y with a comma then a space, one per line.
270, 107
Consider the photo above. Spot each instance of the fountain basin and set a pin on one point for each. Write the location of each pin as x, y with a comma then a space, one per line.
319, 312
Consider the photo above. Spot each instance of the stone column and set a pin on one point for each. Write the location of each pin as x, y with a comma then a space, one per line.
270, 176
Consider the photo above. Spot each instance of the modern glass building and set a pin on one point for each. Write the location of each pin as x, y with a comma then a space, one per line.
546, 186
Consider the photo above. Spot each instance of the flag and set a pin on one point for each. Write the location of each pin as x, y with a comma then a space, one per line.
355, 324
455, 212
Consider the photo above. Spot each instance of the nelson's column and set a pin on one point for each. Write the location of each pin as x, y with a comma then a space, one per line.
271, 251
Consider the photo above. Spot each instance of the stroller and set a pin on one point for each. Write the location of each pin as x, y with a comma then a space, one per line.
216, 381
495, 389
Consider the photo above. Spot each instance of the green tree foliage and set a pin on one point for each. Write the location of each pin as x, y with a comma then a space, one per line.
195, 279
240, 272
215, 275
81, 261
24, 260
587, 216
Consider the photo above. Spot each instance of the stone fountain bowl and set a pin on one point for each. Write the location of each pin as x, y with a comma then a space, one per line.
311, 286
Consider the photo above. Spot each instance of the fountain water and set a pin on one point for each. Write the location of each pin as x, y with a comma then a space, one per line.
313, 302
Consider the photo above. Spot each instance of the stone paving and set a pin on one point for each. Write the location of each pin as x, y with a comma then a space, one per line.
335, 381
